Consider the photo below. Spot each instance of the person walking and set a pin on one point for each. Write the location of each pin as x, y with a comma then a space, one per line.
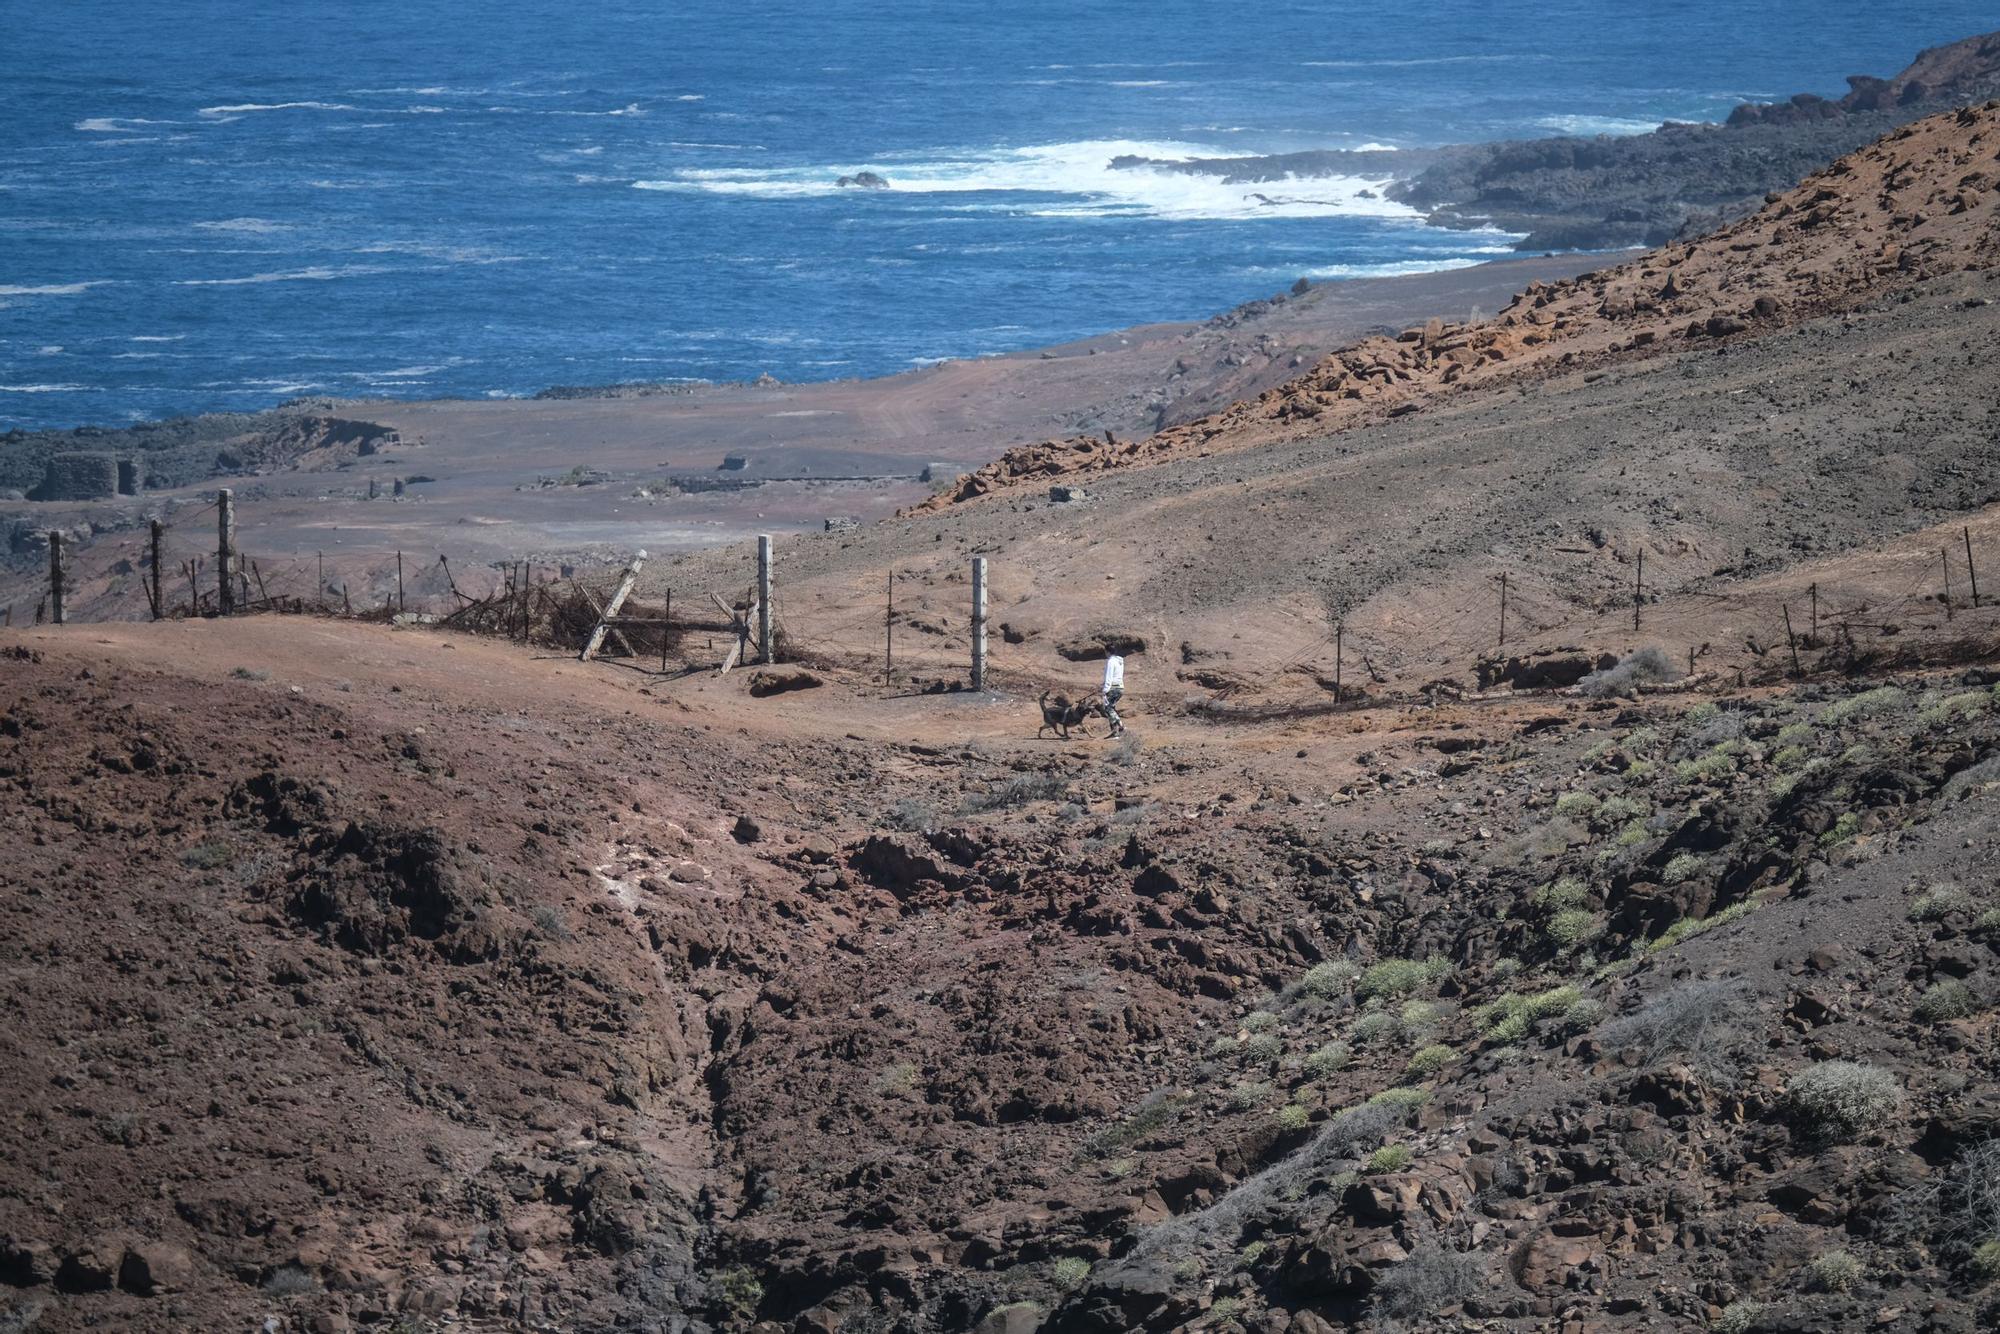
1112, 691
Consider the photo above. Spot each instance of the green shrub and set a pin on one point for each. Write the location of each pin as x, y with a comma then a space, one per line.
1565, 892
1790, 757
1399, 1097
1264, 1049
1868, 704
1572, 928
1331, 978
741, 1292
1682, 867
1506, 970
1251, 1253
1689, 927
1418, 1014
1739, 1318
1987, 921
1712, 767
1388, 1158
1249, 1093
1835, 1271
1292, 1116
1705, 712
1392, 977
1017, 791
1837, 1100
1844, 828
1615, 811
207, 856
1986, 1260
1328, 1060
1939, 902
1947, 1000
1069, 1272
1576, 805
1260, 1021
1429, 1061
1374, 1027
1954, 709
1794, 734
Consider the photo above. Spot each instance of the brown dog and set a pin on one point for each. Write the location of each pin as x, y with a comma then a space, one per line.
1059, 715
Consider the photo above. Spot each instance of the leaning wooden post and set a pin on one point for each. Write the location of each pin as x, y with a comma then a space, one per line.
979, 622
400, 604
623, 591
889, 633
159, 597
1971, 571
1339, 628
765, 648
1503, 610
1944, 560
1639, 588
225, 551
55, 577
1793, 641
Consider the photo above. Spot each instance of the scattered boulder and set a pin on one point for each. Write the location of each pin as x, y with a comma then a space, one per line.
779, 681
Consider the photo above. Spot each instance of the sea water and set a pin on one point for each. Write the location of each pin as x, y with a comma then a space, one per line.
221, 205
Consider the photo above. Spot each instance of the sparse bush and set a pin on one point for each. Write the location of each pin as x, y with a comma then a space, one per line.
1957, 1211
1586, 1014
289, 1281
1681, 867
1939, 902
1331, 978
1696, 1020
1506, 970
1614, 811
1388, 1158
549, 922
1790, 757
250, 673
1130, 815
1293, 1116
1835, 1271
1647, 666
1947, 1000
1017, 791
1794, 734
1571, 928
1425, 1285
1739, 1318
1126, 751
1392, 977
1429, 1061
1837, 1100
1189, 1270
1328, 1060
1845, 827
1249, 1093
1706, 711
910, 816
1987, 921
1223, 1310
1156, 1111
1418, 1015
1069, 1272
1259, 1021
207, 856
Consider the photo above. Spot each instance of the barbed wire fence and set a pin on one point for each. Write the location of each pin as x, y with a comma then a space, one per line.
914, 629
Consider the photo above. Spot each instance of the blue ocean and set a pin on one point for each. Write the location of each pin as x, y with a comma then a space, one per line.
222, 204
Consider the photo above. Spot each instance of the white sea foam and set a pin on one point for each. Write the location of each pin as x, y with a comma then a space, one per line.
157, 338
118, 124
47, 388
1081, 171
1591, 125
316, 273
245, 108
1389, 268
49, 350
255, 226
53, 289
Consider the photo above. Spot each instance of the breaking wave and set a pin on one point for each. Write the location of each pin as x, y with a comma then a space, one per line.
1071, 179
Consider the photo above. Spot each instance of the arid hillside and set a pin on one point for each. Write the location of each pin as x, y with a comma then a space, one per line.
1634, 968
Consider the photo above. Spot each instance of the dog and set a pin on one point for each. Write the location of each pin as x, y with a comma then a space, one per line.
1059, 715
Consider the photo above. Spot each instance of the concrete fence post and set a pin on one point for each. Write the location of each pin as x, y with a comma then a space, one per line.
979, 622
766, 649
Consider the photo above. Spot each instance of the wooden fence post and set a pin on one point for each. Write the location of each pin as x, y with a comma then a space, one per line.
1793, 641
979, 622
1639, 588
400, 604
1970, 570
1944, 560
889, 632
1503, 610
159, 594
55, 577
225, 551
766, 649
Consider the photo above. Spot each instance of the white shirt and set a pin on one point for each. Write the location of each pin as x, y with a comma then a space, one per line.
1114, 673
